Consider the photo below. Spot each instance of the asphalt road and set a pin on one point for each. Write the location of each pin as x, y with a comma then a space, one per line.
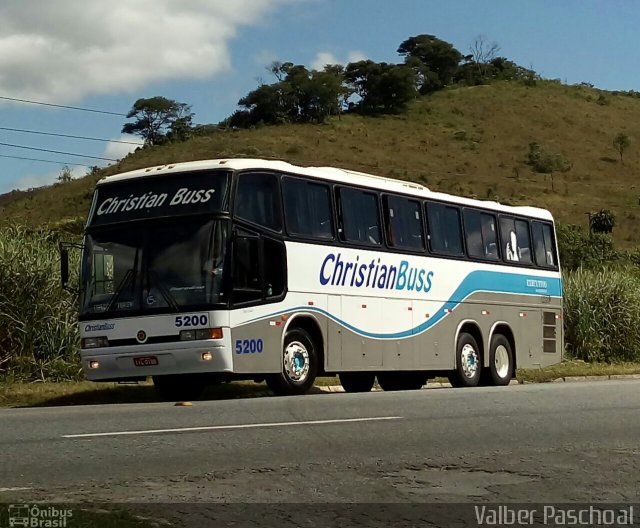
529, 443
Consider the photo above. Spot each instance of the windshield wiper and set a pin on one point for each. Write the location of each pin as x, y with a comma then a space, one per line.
129, 276
166, 294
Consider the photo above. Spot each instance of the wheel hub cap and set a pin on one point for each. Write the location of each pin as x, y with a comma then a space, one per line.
502, 361
469, 361
296, 361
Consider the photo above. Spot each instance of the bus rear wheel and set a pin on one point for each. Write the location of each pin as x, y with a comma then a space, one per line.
179, 387
500, 361
468, 362
357, 381
397, 381
299, 365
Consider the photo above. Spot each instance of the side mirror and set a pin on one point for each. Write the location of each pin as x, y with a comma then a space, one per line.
64, 266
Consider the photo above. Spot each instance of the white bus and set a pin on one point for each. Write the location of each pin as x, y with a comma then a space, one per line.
212, 271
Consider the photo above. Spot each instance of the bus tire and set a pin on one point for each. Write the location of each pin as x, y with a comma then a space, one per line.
500, 360
299, 365
357, 381
468, 362
179, 387
398, 381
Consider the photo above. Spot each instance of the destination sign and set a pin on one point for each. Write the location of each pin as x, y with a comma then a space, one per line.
148, 197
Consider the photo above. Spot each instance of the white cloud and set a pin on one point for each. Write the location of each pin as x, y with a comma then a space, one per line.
323, 58
65, 50
47, 178
116, 150
356, 56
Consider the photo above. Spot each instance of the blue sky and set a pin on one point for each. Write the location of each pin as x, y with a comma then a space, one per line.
209, 53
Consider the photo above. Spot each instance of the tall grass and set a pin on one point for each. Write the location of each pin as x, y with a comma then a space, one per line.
38, 323
602, 315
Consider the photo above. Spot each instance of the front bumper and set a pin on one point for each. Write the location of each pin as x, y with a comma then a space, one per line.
117, 363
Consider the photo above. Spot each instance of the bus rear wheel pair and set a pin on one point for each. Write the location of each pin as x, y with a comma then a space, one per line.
469, 370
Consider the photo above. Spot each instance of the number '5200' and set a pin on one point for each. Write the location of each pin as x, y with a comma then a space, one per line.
249, 346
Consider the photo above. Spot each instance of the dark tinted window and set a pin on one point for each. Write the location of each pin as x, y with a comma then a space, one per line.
516, 241
360, 219
443, 225
403, 223
307, 209
481, 234
258, 200
275, 267
543, 244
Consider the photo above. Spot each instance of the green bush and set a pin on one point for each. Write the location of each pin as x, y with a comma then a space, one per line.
546, 162
38, 323
601, 315
579, 249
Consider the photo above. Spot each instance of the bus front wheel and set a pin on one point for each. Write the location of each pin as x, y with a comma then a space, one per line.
357, 381
468, 362
299, 365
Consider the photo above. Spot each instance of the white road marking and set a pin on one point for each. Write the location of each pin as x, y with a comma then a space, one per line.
238, 426
14, 489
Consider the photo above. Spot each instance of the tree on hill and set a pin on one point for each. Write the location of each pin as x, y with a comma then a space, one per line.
299, 96
381, 87
157, 118
545, 162
439, 57
602, 222
621, 142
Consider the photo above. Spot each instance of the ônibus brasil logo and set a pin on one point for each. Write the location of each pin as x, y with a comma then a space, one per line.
38, 516
336, 271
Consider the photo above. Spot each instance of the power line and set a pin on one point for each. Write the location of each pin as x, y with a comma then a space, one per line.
44, 161
70, 136
27, 101
57, 152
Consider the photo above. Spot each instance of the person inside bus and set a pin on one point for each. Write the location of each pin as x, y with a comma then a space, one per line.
512, 251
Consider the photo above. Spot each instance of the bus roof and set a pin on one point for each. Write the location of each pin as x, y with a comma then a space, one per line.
337, 175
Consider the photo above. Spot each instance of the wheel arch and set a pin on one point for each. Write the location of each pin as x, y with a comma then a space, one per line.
503, 328
310, 324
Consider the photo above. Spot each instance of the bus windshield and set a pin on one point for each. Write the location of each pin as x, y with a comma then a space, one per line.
168, 266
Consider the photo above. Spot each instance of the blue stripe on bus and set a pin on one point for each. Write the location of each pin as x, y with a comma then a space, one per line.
476, 281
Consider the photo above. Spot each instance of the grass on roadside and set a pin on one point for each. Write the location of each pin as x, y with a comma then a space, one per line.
90, 393
568, 369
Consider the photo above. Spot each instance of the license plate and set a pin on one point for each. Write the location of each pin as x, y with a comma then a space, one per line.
147, 361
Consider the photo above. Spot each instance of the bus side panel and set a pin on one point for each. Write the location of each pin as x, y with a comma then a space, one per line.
399, 352
256, 340
361, 351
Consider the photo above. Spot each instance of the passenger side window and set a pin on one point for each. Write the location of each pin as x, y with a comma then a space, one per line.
403, 223
259, 268
543, 244
246, 268
360, 219
307, 208
258, 200
516, 240
481, 234
444, 228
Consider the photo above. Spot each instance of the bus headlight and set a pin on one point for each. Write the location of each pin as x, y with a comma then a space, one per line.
94, 342
201, 334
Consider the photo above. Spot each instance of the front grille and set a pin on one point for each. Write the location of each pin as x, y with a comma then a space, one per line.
150, 341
